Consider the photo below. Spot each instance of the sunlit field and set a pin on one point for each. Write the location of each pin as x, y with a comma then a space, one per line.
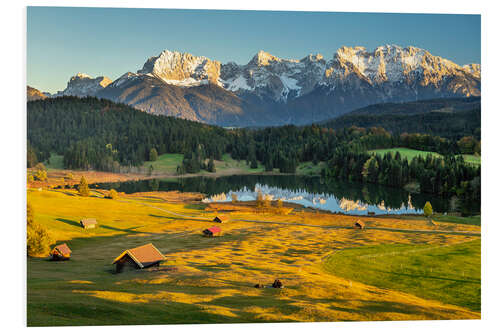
328, 268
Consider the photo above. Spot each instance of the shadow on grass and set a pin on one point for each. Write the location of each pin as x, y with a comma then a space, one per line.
180, 218
129, 230
195, 206
83, 309
70, 222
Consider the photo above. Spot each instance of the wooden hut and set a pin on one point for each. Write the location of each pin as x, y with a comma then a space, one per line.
60, 252
212, 232
137, 258
359, 224
88, 223
221, 219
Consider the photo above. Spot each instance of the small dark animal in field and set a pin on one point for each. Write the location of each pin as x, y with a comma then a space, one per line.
259, 285
277, 284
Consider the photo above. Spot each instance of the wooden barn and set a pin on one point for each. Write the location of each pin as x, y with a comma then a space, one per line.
138, 258
221, 219
212, 232
88, 223
60, 252
359, 224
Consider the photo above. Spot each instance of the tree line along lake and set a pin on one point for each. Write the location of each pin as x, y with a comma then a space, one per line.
309, 191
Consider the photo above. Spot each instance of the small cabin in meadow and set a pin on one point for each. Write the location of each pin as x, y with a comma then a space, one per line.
359, 224
212, 232
88, 223
60, 252
138, 258
221, 219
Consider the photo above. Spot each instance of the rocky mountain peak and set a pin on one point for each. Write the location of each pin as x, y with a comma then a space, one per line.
33, 94
84, 85
286, 90
263, 58
312, 58
178, 68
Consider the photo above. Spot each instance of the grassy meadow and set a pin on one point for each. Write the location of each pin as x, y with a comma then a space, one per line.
412, 153
208, 280
451, 273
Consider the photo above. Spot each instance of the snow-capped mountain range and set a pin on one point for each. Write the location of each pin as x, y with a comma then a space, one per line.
270, 91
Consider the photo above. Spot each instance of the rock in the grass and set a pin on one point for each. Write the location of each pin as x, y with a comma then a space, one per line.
277, 284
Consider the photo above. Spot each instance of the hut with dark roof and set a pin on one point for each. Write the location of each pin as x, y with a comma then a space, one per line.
138, 258
88, 223
221, 219
212, 232
359, 224
60, 252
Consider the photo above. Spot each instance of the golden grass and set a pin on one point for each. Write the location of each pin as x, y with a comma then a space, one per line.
215, 276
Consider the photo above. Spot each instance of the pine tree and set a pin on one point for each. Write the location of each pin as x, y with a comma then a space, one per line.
83, 187
211, 165
253, 163
153, 154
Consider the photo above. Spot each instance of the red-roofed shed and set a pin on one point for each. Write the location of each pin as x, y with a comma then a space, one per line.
213, 231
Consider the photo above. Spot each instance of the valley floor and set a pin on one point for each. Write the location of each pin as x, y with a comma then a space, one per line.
329, 269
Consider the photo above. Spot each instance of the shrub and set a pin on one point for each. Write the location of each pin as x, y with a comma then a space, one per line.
260, 199
83, 187
112, 194
69, 175
267, 201
279, 203
37, 237
41, 175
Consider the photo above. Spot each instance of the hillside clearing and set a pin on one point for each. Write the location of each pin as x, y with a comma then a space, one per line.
412, 153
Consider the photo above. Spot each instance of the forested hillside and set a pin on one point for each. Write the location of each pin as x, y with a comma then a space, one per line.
98, 134
449, 118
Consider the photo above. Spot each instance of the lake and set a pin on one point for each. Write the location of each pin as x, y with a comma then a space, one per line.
314, 192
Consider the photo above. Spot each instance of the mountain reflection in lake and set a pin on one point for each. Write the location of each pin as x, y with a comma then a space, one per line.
334, 196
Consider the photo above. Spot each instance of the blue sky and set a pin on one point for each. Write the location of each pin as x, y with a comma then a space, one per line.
62, 41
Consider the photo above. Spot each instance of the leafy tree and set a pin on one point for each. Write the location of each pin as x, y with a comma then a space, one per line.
38, 240
153, 154
427, 209
234, 198
83, 187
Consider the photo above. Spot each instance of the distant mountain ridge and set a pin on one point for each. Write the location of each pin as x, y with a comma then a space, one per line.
452, 118
269, 90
